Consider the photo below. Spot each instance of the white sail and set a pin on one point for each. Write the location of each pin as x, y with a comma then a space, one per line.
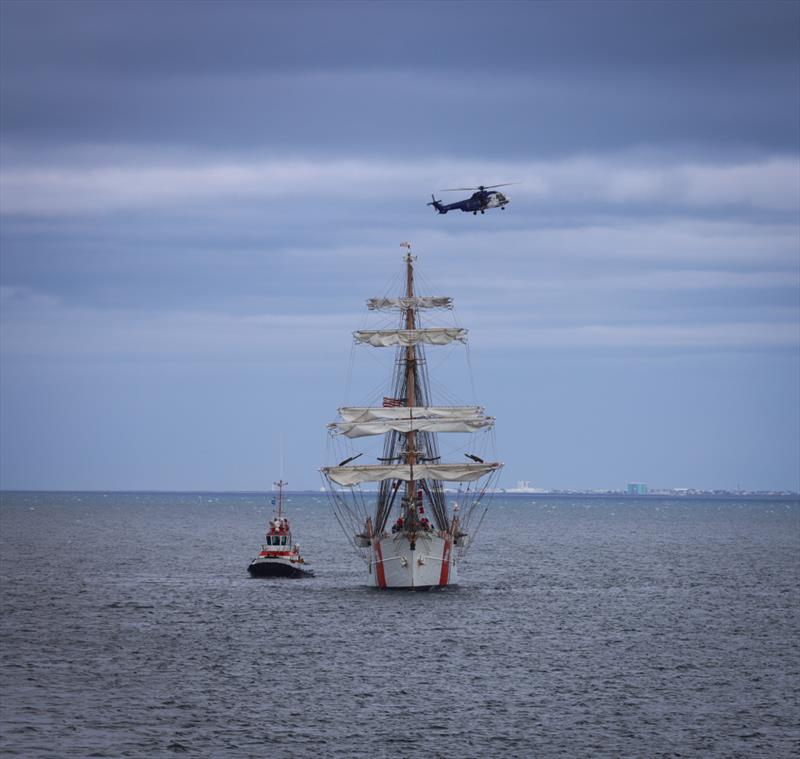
411, 424
384, 338
355, 475
367, 413
396, 304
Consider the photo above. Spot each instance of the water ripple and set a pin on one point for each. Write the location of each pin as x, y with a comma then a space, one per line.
130, 629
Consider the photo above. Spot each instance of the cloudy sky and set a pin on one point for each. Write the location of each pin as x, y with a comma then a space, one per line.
198, 197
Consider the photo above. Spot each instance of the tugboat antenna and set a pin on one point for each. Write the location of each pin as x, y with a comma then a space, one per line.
280, 484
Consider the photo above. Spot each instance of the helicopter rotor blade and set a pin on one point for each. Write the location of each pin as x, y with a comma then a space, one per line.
480, 187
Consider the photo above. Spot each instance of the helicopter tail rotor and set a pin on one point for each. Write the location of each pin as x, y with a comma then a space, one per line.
437, 205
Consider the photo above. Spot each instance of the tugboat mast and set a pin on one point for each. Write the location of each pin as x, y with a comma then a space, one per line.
280, 484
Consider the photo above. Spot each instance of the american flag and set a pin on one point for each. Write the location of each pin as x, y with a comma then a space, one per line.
393, 402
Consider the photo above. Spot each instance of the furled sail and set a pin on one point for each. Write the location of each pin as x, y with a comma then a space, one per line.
412, 424
384, 338
395, 304
367, 413
354, 475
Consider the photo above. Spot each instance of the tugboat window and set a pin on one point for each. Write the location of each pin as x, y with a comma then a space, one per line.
283, 540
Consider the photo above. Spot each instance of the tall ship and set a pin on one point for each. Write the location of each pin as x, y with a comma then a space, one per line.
411, 515
279, 555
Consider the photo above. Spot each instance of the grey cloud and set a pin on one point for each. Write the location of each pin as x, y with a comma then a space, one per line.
388, 113
624, 180
139, 39
394, 78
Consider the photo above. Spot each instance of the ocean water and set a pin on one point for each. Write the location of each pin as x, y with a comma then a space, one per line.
585, 628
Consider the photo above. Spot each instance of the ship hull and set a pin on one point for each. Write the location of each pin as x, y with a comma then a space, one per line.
277, 568
397, 563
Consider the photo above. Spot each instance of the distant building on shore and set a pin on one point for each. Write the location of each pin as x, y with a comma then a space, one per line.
524, 486
637, 488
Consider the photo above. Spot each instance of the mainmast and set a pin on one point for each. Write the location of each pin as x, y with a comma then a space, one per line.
410, 399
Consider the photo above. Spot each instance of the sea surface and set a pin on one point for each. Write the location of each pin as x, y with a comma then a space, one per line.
581, 628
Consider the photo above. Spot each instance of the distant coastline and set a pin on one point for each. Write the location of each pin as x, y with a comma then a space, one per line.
681, 495
695, 495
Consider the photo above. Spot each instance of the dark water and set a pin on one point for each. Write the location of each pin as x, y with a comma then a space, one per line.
581, 629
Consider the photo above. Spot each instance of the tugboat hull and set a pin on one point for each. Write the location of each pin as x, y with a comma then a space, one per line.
426, 564
273, 568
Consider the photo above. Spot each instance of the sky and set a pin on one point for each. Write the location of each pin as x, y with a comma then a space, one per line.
197, 198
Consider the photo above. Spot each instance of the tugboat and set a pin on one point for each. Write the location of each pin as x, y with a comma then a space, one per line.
279, 556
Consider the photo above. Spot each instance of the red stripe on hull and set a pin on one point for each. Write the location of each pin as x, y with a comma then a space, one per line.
277, 554
379, 565
445, 575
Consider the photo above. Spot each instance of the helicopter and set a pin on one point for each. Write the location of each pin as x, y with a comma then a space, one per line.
484, 197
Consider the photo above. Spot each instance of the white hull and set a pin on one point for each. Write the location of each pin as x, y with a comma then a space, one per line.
431, 563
